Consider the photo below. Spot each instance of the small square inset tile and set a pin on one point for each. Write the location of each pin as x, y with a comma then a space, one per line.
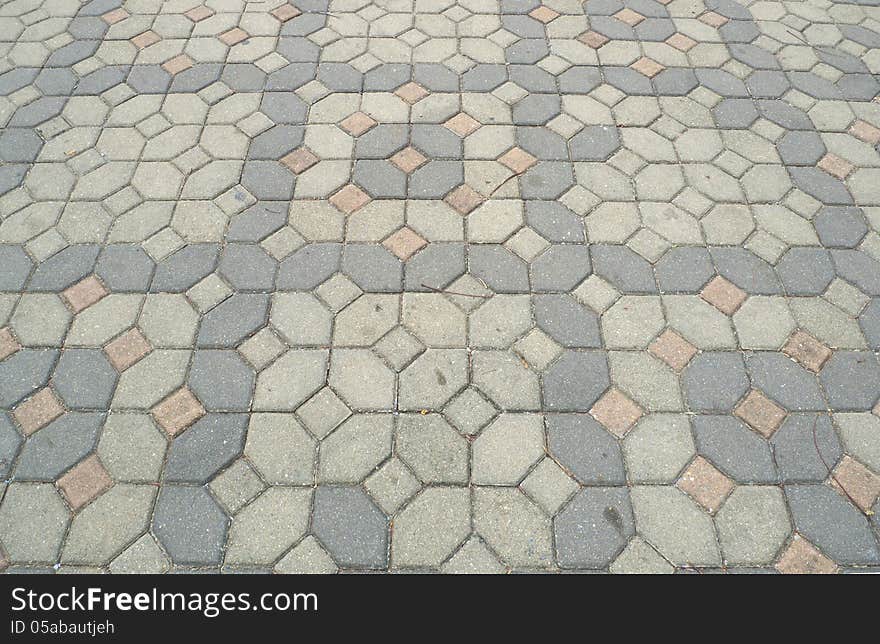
178, 411
412, 92
517, 160
464, 199
705, 484
323, 412
338, 292
857, 481
835, 166
84, 293
177, 64
404, 243
299, 160
233, 36
84, 482
647, 66
462, 124
350, 198
713, 19
681, 42
544, 14
527, 243
117, 15
723, 295
127, 349
807, 351
865, 132
630, 17
262, 348
538, 349
357, 123
760, 413
208, 293
38, 411
8, 343
616, 412
285, 12
672, 349
803, 558
593, 39
408, 159
398, 347
145, 39
199, 13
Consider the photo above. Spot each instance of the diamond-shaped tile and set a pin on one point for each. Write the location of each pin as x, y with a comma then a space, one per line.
681, 42
464, 199
865, 132
723, 295
262, 348
527, 243
411, 92
85, 482
705, 484
392, 485
357, 123
338, 292
285, 12
544, 14
197, 14
647, 66
859, 483
462, 124
469, 412
233, 36
350, 198
408, 159
8, 343
835, 166
299, 160
672, 349
538, 349
760, 413
178, 411
398, 347
593, 39
404, 243
38, 411
323, 412
177, 64
807, 350
803, 558
84, 293
630, 17
145, 39
616, 412
127, 349
713, 19
117, 15
517, 160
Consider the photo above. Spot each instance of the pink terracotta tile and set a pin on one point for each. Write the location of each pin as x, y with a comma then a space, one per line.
84, 293
38, 411
178, 411
616, 412
127, 349
803, 558
84, 482
705, 484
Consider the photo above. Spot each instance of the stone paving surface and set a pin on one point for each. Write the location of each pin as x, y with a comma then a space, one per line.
473, 286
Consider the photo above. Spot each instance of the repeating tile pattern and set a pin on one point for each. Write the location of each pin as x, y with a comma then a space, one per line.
462, 286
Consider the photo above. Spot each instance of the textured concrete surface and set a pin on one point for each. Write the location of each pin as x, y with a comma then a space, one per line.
473, 286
